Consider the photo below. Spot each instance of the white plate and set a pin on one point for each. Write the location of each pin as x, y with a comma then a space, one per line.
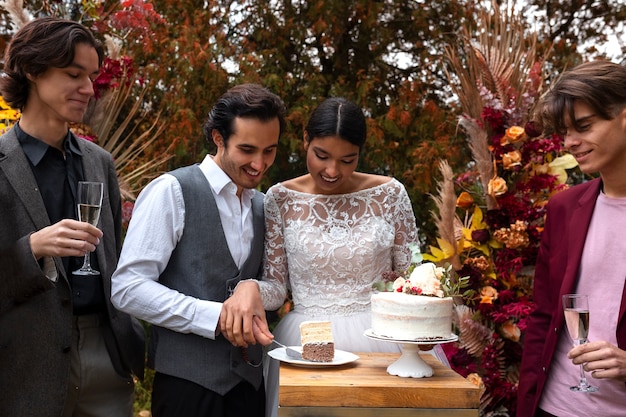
427, 341
341, 357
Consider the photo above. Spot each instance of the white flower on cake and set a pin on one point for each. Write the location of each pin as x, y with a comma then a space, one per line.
424, 280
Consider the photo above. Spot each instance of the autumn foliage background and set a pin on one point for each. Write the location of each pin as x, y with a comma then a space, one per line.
169, 60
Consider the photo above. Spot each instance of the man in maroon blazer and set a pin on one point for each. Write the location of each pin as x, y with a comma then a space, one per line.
582, 251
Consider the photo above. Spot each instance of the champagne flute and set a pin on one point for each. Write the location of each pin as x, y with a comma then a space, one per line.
89, 204
576, 309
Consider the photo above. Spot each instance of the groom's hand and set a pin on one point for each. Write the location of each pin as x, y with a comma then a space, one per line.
243, 321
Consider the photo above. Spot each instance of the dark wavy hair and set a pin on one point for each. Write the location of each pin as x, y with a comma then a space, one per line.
39, 45
337, 116
599, 84
246, 101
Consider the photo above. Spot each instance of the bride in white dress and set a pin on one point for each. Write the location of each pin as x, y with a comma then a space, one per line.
330, 234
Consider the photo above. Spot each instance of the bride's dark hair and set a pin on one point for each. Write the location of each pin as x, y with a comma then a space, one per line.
337, 116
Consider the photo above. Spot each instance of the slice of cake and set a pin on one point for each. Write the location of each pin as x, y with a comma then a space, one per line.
317, 341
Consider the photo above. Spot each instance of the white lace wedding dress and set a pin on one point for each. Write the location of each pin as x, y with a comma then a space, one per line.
329, 250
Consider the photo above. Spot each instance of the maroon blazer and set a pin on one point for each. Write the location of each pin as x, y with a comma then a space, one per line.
556, 273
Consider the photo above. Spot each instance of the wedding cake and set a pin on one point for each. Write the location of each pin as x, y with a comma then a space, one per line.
415, 309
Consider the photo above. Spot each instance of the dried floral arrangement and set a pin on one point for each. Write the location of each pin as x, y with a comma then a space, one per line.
490, 218
425, 278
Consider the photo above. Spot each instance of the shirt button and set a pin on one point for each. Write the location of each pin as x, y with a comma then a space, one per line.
543, 368
556, 330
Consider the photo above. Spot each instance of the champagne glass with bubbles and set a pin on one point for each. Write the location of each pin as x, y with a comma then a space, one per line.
89, 202
576, 309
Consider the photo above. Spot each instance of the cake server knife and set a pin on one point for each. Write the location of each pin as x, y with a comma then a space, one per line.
292, 353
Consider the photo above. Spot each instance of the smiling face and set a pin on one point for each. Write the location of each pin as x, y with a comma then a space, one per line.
331, 161
599, 145
61, 95
249, 152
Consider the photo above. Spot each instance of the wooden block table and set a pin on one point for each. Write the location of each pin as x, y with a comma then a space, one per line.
364, 388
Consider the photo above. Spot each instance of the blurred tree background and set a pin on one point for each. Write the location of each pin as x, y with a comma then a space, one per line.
388, 56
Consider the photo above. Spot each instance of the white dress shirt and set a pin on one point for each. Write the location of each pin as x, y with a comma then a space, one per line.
156, 226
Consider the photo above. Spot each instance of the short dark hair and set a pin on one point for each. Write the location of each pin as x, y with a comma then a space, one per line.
39, 45
337, 116
246, 101
600, 84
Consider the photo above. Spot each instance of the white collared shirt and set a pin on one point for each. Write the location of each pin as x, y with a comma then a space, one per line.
157, 225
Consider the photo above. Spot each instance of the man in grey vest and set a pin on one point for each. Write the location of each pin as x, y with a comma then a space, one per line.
194, 234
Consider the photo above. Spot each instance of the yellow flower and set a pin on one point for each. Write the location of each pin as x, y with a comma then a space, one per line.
8, 116
445, 251
559, 165
477, 223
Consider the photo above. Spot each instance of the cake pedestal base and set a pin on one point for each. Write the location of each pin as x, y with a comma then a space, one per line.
410, 364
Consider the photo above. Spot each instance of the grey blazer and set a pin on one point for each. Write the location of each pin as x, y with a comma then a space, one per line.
35, 312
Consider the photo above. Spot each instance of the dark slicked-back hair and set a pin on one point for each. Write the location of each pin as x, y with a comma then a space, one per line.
39, 45
337, 116
599, 84
247, 101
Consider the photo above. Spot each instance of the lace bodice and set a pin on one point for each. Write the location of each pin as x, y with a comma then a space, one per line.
330, 249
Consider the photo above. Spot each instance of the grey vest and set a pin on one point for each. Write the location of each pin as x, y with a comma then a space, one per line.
202, 266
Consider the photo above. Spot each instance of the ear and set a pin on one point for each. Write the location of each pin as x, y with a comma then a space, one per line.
622, 114
306, 141
217, 138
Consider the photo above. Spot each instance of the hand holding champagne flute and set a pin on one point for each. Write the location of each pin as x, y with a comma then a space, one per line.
89, 202
576, 310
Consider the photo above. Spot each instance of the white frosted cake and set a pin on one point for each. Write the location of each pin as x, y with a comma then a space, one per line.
416, 309
407, 317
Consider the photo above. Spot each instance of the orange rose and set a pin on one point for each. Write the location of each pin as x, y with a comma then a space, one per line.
510, 331
488, 294
465, 201
512, 159
497, 186
475, 379
513, 135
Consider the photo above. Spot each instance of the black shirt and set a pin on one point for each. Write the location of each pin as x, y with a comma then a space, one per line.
57, 174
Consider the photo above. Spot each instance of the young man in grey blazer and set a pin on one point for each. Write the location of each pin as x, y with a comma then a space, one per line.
64, 350
194, 234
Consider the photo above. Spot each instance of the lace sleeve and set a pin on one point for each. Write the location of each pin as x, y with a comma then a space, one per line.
273, 287
406, 229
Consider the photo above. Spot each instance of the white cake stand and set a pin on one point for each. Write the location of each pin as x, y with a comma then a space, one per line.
410, 364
